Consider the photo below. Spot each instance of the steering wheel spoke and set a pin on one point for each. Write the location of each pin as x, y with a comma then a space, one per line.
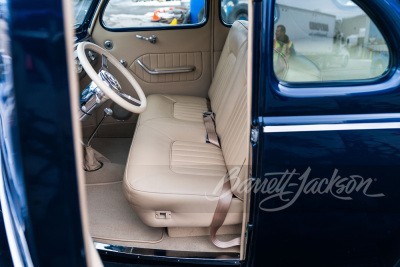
104, 63
129, 97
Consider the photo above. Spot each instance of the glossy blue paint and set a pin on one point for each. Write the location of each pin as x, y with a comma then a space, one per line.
37, 144
13, 186
320, 229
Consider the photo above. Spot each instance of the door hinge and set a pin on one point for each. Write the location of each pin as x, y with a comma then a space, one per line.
249, 228
254, 136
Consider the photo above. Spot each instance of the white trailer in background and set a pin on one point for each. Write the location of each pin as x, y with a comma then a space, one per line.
315, 35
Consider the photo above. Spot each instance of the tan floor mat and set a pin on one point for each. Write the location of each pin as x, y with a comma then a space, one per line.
111, 217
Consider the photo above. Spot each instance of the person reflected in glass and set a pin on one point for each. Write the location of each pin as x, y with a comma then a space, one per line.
283, 48
282, 43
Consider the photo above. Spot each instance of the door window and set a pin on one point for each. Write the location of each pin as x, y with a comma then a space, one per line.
120, 14
326, 40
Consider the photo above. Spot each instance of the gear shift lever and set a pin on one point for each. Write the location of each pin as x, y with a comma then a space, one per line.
90, 161
107, 112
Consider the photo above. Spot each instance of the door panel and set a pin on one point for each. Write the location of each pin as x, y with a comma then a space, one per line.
328, 155
182, 42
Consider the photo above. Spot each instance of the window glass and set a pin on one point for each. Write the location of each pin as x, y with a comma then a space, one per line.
81, 7
232, 10
326, 40
145, 13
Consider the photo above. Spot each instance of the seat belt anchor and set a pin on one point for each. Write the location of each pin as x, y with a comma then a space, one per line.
207, 113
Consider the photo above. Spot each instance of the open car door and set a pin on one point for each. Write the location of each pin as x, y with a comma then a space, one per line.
327, 188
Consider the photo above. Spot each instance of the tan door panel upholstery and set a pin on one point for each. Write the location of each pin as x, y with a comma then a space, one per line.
168, 61
173, 178
196, 42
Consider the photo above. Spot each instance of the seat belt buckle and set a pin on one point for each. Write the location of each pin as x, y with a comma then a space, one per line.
207, 113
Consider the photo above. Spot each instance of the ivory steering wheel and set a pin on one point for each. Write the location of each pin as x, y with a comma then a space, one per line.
113, 89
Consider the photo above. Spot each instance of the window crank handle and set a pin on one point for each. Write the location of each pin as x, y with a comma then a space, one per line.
152, 39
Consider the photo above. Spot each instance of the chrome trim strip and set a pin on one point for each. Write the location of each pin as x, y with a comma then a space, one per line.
331, 127
166, 71
331, 119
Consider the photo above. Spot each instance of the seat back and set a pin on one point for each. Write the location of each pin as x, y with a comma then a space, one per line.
228, 96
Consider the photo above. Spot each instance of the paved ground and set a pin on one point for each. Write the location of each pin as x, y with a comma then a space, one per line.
355, 69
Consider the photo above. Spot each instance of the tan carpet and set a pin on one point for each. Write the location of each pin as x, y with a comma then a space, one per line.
115, 149
109, 173
111, 218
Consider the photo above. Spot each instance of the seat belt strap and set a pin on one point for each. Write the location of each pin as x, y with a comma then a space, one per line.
221, 211
209, 123
225, 199
208, 105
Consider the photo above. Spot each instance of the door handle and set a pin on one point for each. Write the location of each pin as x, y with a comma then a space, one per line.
152, 39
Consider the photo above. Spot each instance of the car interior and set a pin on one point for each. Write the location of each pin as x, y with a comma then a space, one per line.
165, 133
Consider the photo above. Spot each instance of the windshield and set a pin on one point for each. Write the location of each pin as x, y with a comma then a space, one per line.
81, 7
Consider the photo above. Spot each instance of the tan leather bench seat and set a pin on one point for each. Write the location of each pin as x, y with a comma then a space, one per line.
173, 178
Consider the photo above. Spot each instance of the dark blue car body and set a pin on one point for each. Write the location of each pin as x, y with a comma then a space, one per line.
39, 188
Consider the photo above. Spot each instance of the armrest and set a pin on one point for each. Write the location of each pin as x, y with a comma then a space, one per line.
157, 71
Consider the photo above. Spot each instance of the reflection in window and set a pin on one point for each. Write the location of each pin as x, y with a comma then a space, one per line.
232, 10
326, 40
81, 7
133, 14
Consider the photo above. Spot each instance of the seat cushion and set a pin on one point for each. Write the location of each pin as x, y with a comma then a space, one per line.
183, 178
185, 108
